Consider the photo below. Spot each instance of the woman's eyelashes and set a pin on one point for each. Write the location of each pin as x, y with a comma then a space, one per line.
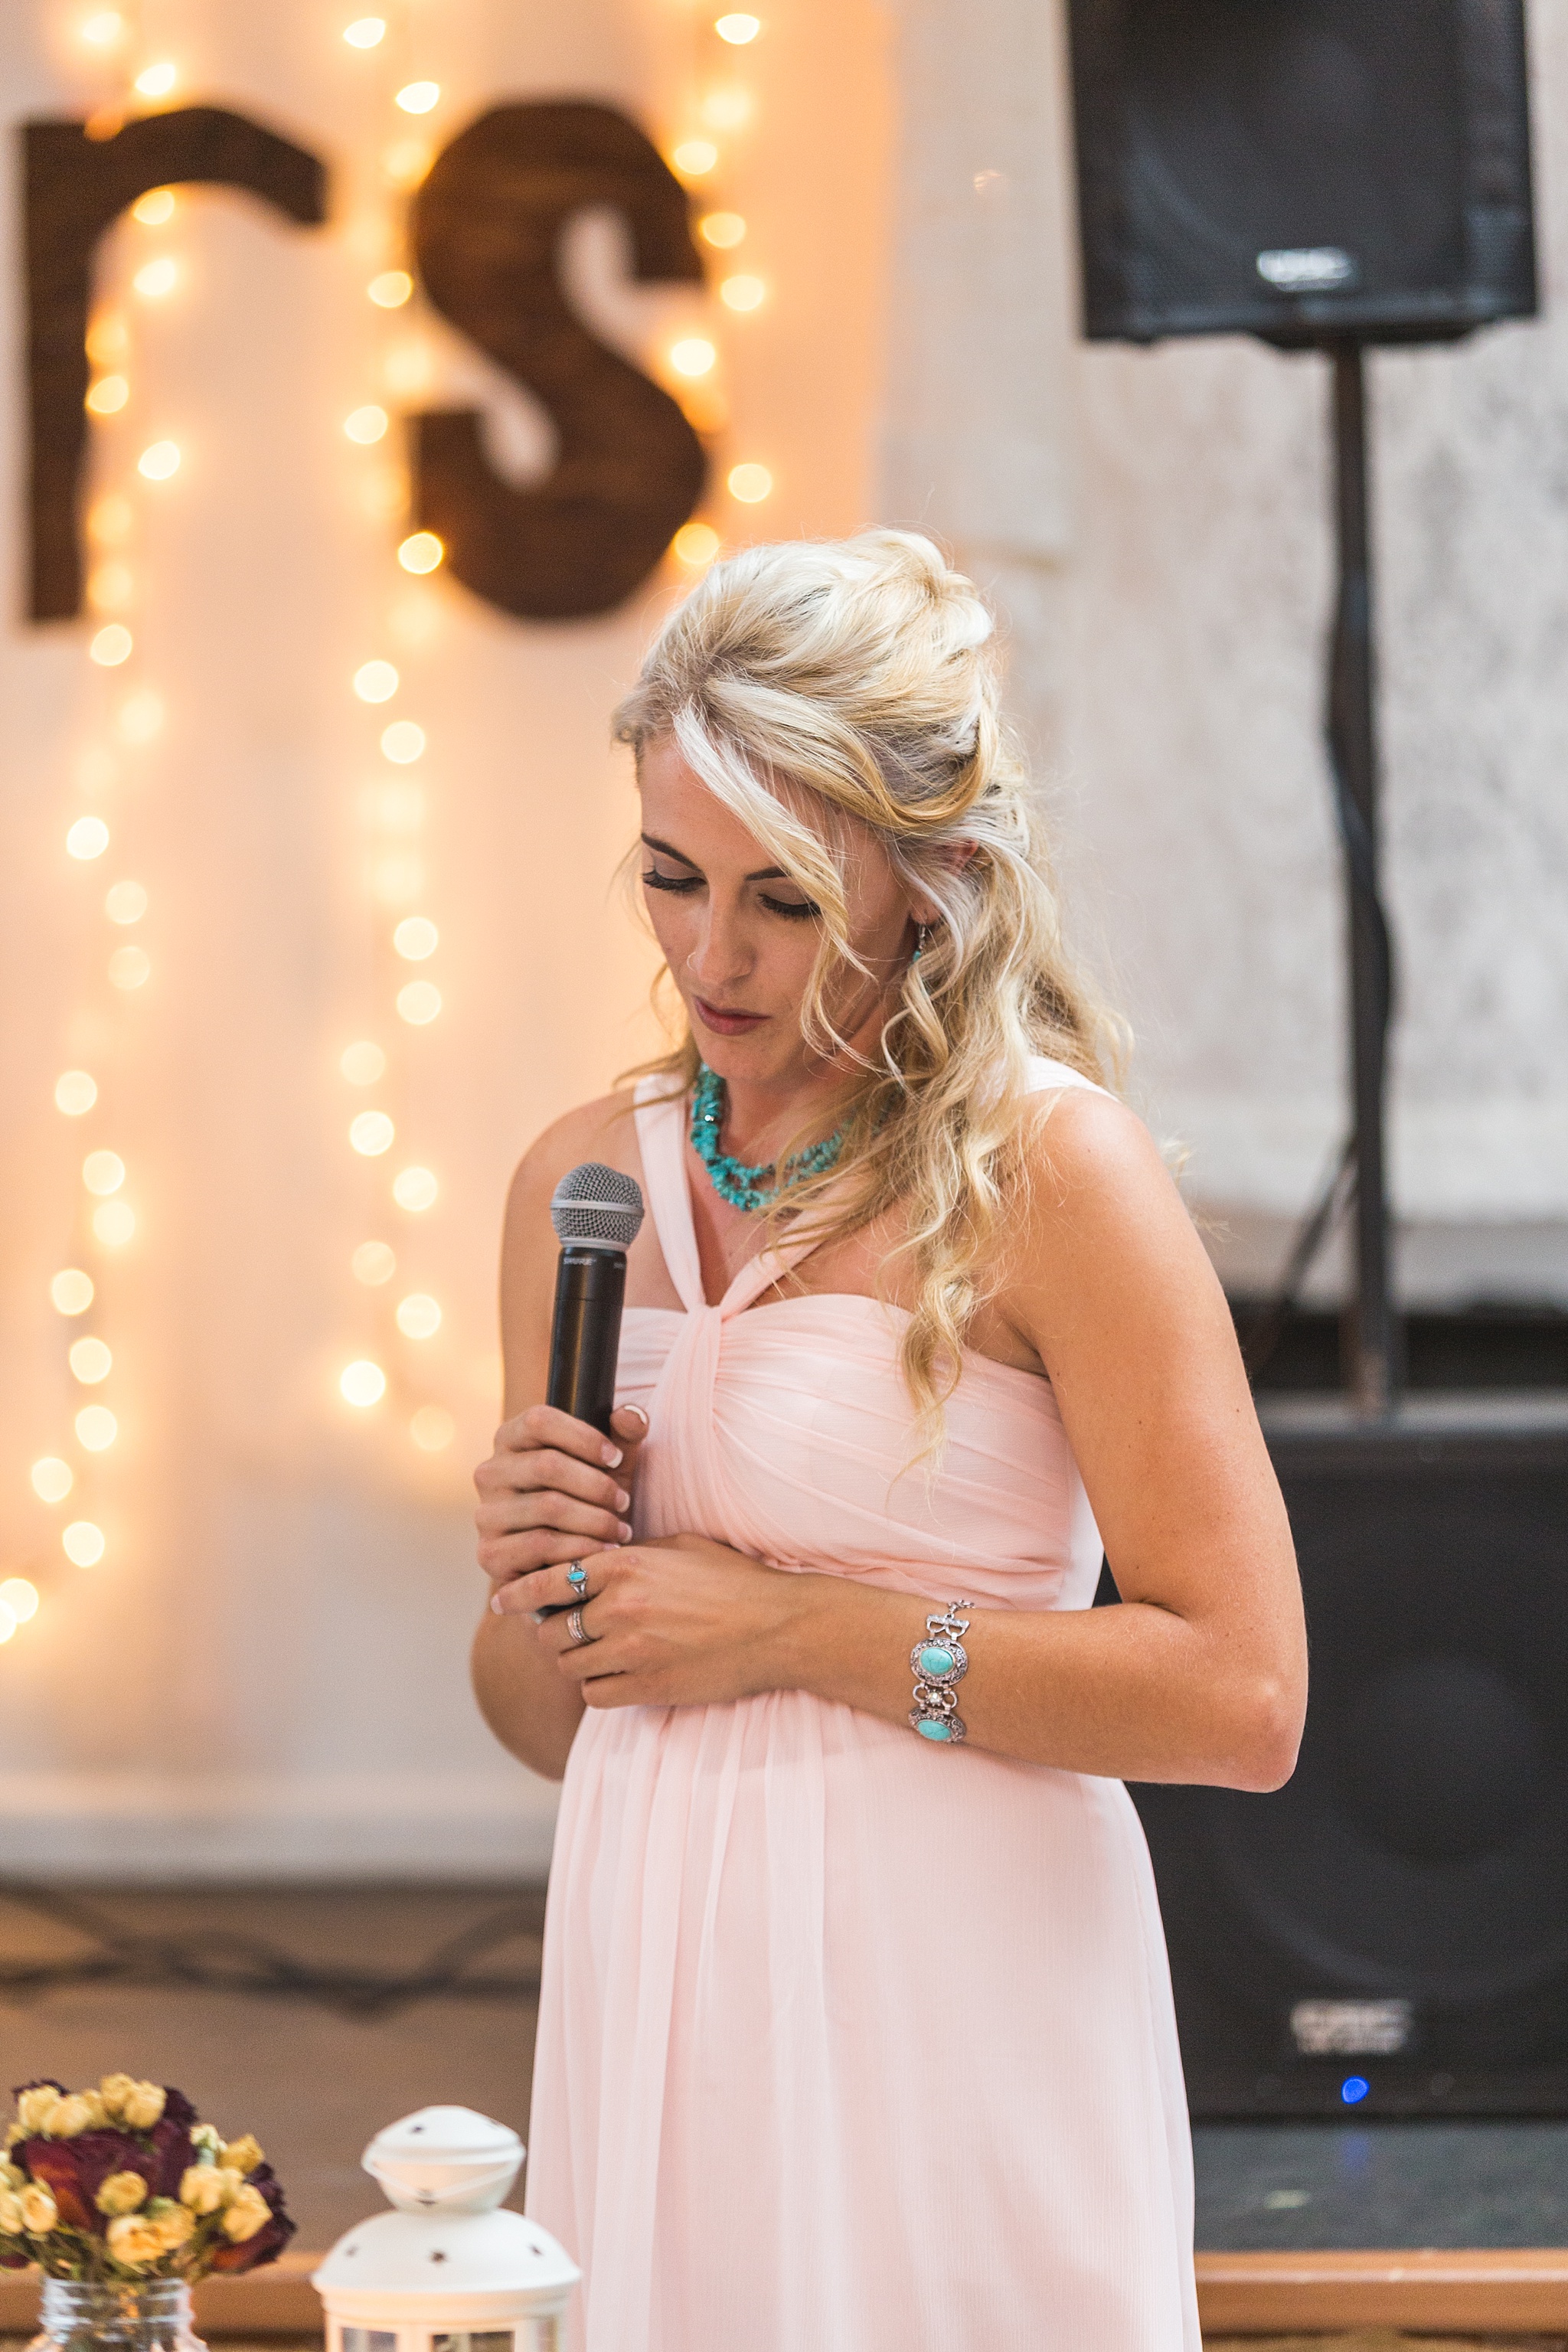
799, 910
794, 910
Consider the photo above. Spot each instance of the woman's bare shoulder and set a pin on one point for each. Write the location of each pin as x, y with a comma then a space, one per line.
604, 1129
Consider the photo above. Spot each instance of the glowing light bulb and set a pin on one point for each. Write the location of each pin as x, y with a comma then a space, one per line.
693, 355
722, 229
391, 289
372, 1133
743, 293
96, 1428
108, 395
75, 1091
365, 425
107, 339
157, 81
141, 716
88, 837
737, 30
20, 1598
71, 1291
126, 903
114, 1223
91, 1360
419, 97
52, 1479
365, 32
129, 967
104, 28
361, 1382
422, 552
362, 1063
156, 279
727, 110
432, 1428
374, 1263
419, 1315
402, 741
416, 938
396, 881
749, 484
159, 461
415, 1189
696, 544
409, 368
154, 208
103, 1172
111, 646
110, 519
406, 161
419, 1003
375, 681
83, 1544
109, 586
398, 804
694, 158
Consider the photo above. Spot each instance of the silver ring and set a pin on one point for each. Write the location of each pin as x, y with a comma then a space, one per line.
575, 1626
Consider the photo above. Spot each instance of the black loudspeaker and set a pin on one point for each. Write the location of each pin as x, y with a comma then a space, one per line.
1389, 1932
1302, 170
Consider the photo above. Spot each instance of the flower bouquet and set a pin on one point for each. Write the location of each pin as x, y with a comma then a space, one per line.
123, 2198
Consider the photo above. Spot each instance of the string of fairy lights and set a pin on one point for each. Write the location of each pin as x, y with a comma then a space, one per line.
132, 458
405, 994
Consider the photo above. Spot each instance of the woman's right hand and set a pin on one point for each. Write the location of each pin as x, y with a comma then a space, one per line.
554, 1490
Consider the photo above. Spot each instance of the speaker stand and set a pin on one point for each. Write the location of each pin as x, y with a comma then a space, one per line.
1370, 1348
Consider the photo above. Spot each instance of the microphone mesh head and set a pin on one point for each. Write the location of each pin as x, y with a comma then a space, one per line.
593, 1204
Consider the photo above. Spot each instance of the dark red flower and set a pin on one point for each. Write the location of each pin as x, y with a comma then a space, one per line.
74, 2170
173, 2149
14, 2262
270, 2239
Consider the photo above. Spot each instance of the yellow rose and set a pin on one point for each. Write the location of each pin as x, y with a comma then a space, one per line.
143, 2105
134, 2241
208, 2187
39, 2210
83, 2111
15, 2132
11, 2175
243, 2155
208, 2136
114, 2090
32, 2107
121, 2193
249, 2213
172, 2222
12, 2222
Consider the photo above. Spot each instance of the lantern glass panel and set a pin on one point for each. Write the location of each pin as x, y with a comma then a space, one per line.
370, 2339
490, 2339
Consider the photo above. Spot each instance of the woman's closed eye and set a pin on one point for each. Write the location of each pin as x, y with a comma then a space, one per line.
654, 880
799, 910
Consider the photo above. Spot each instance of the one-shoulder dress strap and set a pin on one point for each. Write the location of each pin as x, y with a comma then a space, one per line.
661, 1138
1045, 1077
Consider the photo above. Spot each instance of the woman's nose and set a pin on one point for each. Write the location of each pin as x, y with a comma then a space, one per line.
722, 953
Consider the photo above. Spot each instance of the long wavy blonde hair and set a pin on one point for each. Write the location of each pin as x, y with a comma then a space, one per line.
807, 683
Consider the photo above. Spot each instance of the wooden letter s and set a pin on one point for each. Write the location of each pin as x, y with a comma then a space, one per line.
487, 225
76, 187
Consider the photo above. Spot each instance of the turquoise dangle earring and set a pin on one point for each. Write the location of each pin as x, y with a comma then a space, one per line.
922, 932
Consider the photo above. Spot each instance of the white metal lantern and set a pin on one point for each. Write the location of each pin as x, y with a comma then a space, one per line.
447, 2270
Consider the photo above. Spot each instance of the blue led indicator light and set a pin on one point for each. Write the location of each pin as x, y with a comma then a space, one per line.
1353, 2089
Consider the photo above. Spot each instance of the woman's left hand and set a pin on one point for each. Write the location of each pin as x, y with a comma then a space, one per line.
681, 1622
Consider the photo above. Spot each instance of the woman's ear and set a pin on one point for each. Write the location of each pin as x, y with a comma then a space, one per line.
955, 856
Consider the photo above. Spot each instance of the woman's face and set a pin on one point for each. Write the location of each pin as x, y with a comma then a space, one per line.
741, 938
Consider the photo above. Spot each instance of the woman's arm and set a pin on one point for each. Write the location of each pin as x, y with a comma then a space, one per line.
1199, 1676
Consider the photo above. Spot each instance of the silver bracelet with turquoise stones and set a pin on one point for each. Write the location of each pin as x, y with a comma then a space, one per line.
937, 1664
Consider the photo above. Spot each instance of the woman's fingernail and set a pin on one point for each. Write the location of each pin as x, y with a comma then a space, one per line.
621, 1498
626, 1532
612, 1457
495, 1604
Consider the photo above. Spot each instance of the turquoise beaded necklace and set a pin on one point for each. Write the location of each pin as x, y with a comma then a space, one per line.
747, 1188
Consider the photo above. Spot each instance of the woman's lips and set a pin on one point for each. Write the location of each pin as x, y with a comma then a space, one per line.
723, 1024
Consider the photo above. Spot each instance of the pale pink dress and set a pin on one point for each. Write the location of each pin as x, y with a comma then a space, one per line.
849, 2042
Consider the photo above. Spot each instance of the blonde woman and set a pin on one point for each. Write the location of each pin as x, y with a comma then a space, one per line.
856, 2030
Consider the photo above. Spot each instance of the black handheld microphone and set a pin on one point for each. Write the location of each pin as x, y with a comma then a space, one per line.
598, 1212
